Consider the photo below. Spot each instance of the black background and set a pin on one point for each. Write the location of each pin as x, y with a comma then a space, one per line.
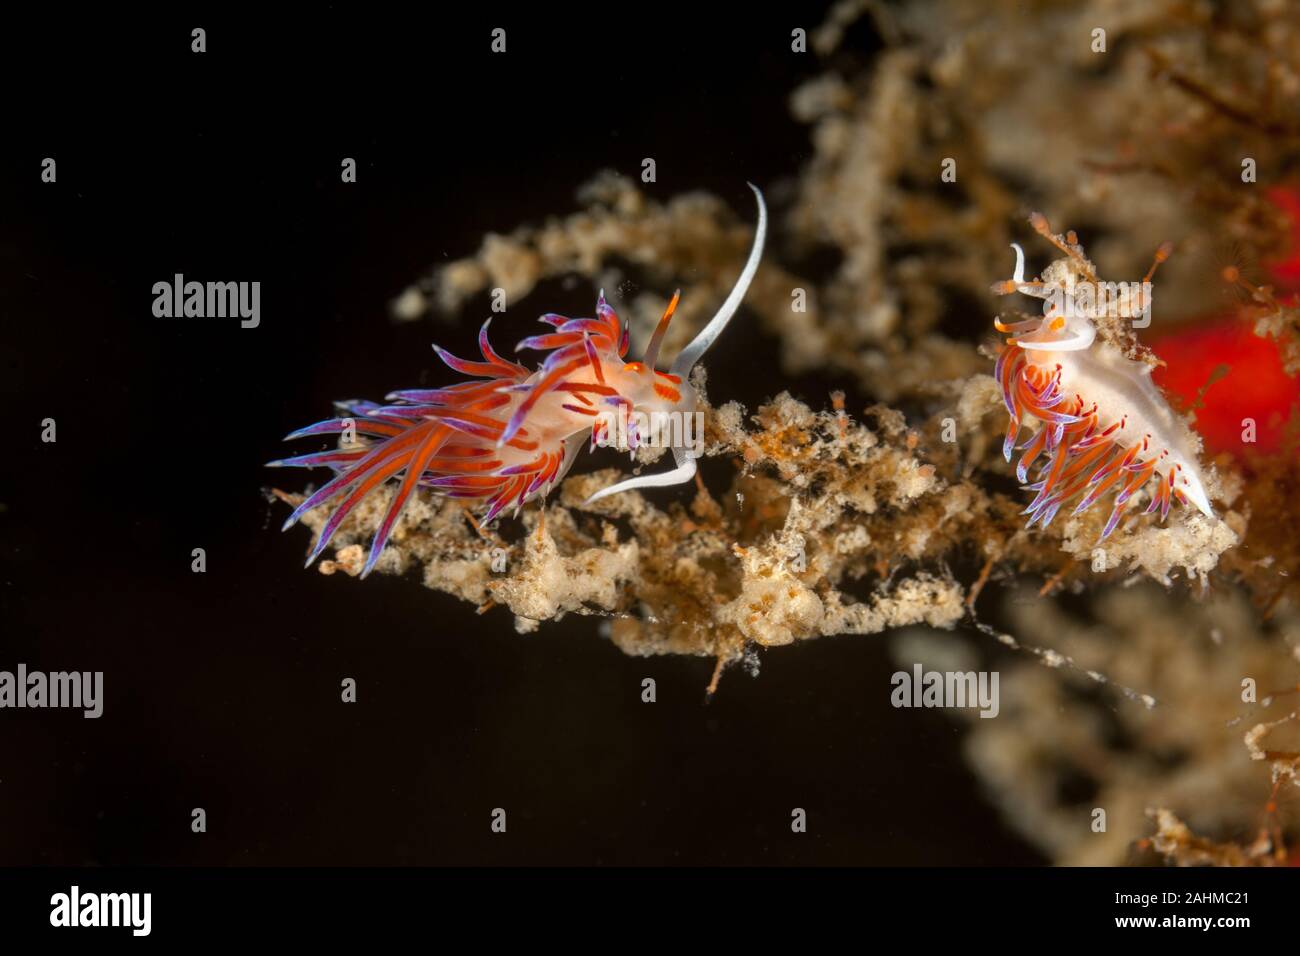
222, 689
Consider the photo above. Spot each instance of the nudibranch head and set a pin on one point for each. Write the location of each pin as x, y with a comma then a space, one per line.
508, 435
1103, 425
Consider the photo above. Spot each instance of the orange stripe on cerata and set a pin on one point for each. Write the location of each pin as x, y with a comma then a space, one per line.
668, 394
578, 387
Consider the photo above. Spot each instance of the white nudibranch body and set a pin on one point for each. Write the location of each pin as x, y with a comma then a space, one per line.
1104, 425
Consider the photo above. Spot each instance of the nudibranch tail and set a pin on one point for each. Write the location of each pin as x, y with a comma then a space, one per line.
1103, 426
508, 435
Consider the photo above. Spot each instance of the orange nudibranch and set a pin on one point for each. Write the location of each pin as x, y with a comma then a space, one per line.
508, 434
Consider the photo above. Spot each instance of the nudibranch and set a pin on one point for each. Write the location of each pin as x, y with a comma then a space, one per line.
1103, 425
508, 435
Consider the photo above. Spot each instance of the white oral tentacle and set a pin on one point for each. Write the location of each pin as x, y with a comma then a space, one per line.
686, 360
1075, 342
684, 472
